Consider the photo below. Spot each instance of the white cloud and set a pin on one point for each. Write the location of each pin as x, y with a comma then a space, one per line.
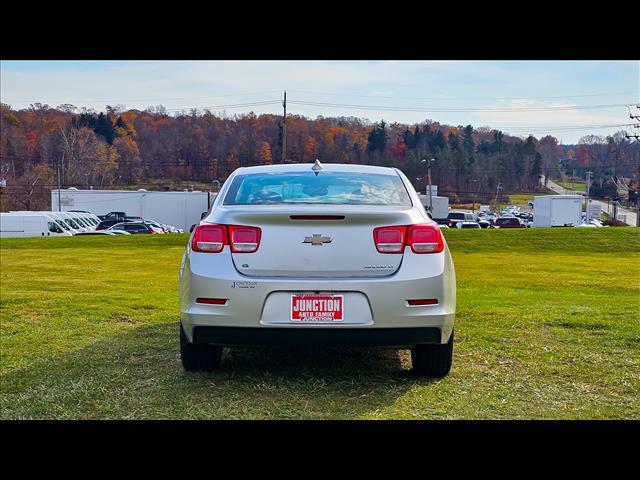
184, 84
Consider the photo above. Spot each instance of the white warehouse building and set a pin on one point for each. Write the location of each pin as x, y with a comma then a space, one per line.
180, 209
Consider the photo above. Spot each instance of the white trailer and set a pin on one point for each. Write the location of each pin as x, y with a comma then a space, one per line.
180, 209
557, 210
440, 206
13, 225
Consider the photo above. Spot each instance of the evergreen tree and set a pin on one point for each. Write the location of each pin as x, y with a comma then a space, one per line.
377, 140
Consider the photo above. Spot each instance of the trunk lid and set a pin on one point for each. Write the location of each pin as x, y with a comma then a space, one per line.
292, 245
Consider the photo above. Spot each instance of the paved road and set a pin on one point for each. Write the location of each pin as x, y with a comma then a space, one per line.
631, 216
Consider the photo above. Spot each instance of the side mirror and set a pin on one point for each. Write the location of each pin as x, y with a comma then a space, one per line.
203, 215
192, 227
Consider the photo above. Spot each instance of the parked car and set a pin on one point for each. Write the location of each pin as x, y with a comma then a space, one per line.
104, 224
455, 217
298, 266
158, 227
507, 222
14, 224
113, 216
468, 225
97, 232
134, 227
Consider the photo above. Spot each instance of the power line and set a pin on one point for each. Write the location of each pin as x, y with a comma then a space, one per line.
219, 107
157, 98
444, 109
465, 98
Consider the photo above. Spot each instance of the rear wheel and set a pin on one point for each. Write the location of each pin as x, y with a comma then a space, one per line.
199, 357
433, 360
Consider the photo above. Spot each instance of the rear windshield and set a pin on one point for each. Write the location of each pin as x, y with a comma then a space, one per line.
327, 188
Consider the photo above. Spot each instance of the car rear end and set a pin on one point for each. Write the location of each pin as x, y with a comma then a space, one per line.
343, 256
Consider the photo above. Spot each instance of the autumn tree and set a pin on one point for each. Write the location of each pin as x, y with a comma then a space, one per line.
265, 154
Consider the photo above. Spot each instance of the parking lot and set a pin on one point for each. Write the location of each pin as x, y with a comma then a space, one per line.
547, 327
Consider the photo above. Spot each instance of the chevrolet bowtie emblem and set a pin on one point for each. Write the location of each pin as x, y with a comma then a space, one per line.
317, 239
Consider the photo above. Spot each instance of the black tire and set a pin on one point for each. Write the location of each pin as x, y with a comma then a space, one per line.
433, 360
199, 357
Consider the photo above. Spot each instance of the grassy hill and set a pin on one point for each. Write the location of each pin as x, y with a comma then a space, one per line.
547, 327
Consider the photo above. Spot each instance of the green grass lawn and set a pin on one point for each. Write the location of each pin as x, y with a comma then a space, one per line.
548, 327
576, 186
521, 198
524, 197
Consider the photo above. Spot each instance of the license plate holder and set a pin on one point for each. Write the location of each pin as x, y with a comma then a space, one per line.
317, 308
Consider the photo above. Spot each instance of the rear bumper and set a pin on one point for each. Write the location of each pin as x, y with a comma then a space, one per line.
257, 310
391, 337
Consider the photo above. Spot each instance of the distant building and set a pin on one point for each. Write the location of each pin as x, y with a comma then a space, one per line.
180, 209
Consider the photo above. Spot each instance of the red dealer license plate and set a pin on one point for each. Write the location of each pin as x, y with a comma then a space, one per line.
317, 308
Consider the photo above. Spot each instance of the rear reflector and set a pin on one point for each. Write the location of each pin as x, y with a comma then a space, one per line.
212, 301
423, 301
316, 217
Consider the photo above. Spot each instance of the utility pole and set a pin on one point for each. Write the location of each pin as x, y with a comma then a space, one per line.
58, 169
635, 125
586, 198
424, 160
284, 128
498, 188
430, 192
475, 196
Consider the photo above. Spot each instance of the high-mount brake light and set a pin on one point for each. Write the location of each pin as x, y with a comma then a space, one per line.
316, 217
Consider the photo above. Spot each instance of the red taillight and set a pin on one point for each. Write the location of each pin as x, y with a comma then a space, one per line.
209, 238
211, 301
244, 239
390, 239
421, 239
425, 239
100, 227
213, 238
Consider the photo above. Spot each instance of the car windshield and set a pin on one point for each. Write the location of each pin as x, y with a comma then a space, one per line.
62, 225
328, 188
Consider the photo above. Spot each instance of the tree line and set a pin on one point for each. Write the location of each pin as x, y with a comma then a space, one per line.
121, 148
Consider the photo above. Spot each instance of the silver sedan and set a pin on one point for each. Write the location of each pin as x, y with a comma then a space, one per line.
301, 254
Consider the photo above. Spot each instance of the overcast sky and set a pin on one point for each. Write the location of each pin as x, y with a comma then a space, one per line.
481, 93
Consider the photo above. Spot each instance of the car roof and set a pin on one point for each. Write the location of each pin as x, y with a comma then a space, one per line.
326, 167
